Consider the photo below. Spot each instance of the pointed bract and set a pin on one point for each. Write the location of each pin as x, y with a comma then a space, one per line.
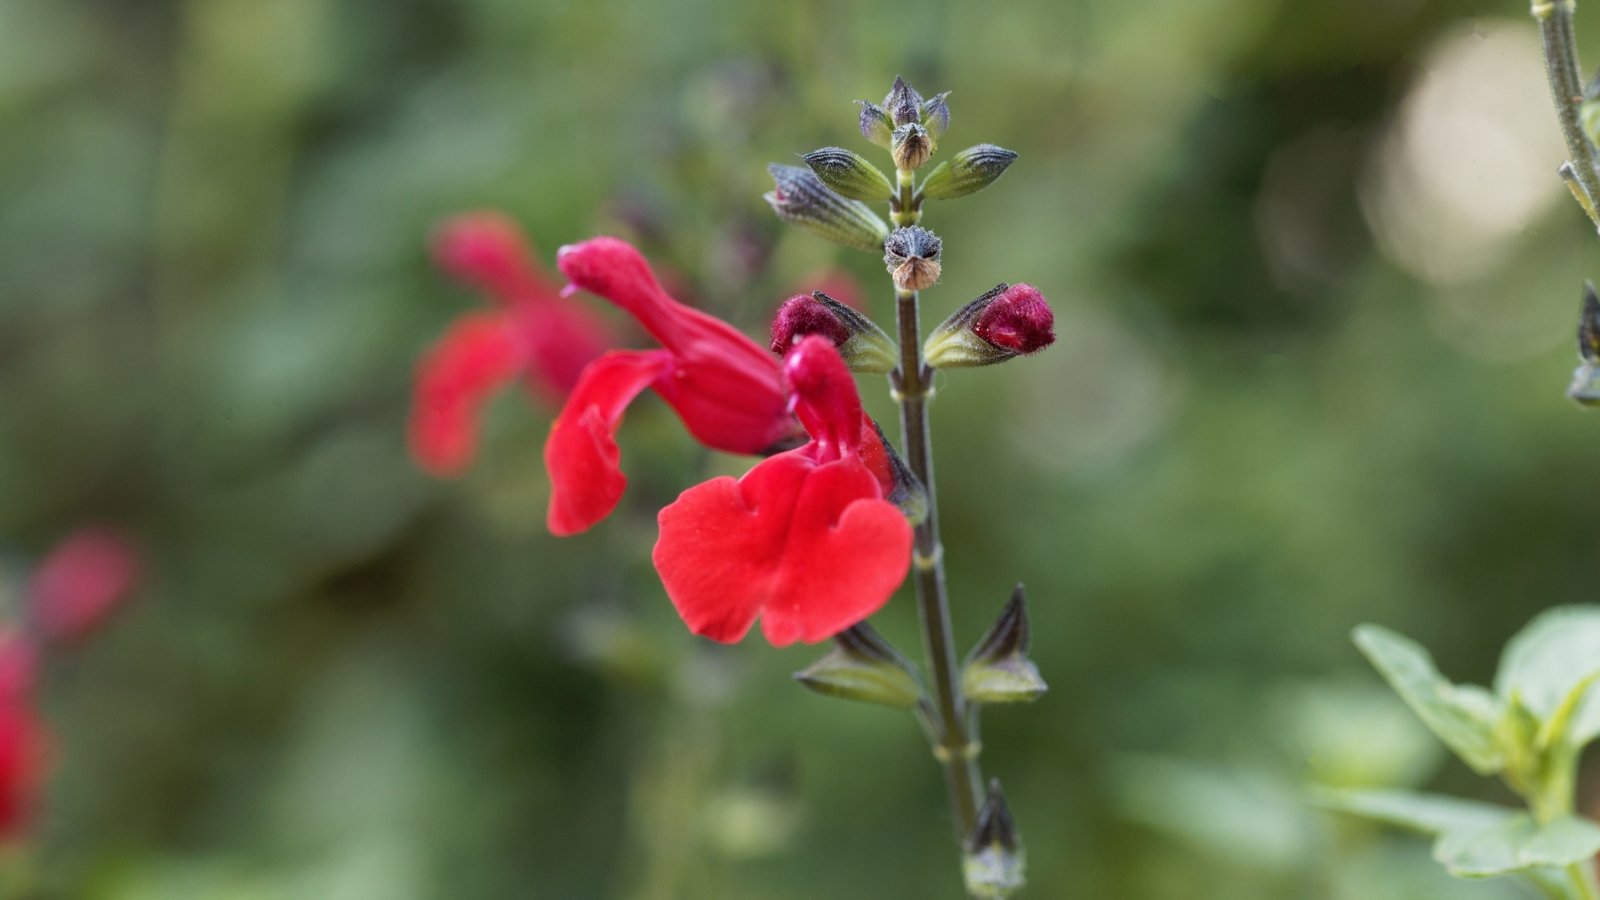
863, 666
998, 670
994, 862
875, 124
936, 114
903, 103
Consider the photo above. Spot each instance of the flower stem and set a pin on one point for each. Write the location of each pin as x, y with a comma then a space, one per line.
1583, 881
954, 746
1566, 90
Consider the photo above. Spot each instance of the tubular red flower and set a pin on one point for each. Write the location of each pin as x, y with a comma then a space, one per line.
79, 583
727, 390
729, 393
534, 333
805, 540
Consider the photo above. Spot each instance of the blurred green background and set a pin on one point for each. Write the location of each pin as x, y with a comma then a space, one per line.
1315, 281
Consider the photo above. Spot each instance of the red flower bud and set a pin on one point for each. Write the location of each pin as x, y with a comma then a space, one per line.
1009, 321
801, 315
1019, 320
535, 333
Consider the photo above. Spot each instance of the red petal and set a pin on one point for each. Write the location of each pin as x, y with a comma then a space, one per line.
477, 355
825, 397
581, 454
80, 582
487, 250
727, 389
22, 764
562, 337
811, 549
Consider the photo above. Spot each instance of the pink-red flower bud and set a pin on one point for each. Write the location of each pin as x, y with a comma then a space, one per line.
864, 346
1019, 320
1008, 321
801, 315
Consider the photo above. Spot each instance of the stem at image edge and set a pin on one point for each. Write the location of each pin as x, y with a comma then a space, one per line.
1566, 88
1583, 881
955, 746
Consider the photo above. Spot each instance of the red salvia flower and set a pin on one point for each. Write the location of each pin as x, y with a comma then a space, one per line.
727, 390
805, 540
534, 332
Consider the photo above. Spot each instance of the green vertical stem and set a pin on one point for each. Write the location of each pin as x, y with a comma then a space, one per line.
954, 747
1566, 88
1583, 881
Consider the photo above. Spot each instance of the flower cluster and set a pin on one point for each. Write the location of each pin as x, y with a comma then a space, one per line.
71, 592
730, 550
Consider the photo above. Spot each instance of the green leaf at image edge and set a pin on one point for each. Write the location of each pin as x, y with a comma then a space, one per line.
1474, 840
1548, 666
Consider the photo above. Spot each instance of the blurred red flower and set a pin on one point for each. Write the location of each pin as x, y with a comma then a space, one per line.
728, 391
534, 333
79, 582
805, 540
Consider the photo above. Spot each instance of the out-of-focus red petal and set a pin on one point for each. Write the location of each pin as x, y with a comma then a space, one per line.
80, 582
22, 764
561, 337
19, 667
478, 355
812, 549
727, 389
581, 454
487, 250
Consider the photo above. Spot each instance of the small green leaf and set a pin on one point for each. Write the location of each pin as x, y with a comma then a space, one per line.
1463, 716
1549, 662
1475, 840
1432, 814
1516, 844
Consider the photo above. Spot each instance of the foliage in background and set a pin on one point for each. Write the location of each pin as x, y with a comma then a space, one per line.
1313, 282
